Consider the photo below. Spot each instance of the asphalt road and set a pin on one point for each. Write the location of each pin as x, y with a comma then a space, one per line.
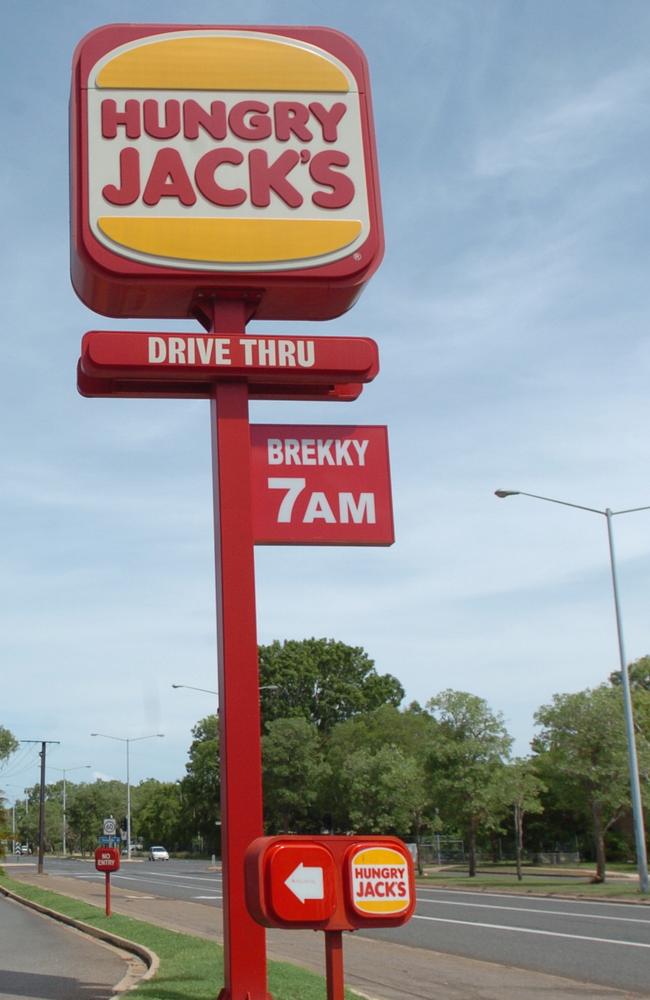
596, 942
43, 959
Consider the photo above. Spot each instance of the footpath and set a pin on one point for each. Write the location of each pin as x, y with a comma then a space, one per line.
376, 969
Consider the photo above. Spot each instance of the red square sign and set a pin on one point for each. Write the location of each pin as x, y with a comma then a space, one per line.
321, 485
107, 859
300, 883
210, 159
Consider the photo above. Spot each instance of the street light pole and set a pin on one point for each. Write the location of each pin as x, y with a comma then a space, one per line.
635, 785
64, 771
128, 740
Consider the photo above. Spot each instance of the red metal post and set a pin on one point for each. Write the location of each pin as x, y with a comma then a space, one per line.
239, 714
107, 876
334, 965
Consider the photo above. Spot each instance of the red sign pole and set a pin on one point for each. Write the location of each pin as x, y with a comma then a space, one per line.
107, 876
239, 715
334, 965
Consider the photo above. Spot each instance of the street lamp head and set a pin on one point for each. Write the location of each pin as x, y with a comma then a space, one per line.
190, 687
506, 493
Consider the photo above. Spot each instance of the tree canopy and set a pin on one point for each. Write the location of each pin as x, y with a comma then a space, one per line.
201, 784
8, 743
322, 681
638, 672
465, 763
583, 739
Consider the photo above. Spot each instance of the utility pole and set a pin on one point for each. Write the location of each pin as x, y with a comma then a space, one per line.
41, 801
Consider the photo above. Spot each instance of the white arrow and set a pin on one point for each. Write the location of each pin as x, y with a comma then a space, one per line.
306, 883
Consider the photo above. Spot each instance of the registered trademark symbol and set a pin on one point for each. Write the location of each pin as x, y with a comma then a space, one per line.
356, 256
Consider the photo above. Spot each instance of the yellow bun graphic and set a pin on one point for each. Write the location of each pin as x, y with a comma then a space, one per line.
230, 62
231, 240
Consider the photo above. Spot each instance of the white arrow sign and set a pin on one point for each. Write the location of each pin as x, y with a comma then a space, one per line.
306, 883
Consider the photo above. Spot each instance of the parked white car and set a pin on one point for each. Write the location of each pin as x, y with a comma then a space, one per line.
158, 854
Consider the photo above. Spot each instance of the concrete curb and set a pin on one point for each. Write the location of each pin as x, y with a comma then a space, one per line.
148, 957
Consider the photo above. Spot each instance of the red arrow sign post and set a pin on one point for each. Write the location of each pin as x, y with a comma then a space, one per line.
333, 884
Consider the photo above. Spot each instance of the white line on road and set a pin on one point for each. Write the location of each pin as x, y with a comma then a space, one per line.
133, 878
530, 909
532, 930
207, 897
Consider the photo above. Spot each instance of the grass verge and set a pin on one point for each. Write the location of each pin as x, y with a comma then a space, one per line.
191, 968
559, 884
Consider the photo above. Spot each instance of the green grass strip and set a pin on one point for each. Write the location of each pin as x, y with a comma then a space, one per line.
191, 968
533, 885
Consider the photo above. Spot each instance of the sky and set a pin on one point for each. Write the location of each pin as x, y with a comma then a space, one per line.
511, 314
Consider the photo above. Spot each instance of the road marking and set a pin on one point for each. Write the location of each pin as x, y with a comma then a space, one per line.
529, 909
207, 897
133, 878
531, 930
201, 879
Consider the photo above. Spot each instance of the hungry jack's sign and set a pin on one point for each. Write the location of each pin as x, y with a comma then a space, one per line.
239, 158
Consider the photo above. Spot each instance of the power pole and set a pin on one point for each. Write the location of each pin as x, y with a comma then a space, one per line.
41, 801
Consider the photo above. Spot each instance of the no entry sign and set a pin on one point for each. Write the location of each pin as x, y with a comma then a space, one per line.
321, 485
212, 157
107, 859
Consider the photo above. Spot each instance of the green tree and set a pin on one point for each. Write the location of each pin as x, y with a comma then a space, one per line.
466, 760
8, 743
638, 672
88, 805
27, 821
522, 790
200, 788
295, 774
583, 737
385, 789
158, 813
322, 681
409, 733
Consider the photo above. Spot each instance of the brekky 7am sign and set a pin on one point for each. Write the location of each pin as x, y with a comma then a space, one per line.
227, 174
